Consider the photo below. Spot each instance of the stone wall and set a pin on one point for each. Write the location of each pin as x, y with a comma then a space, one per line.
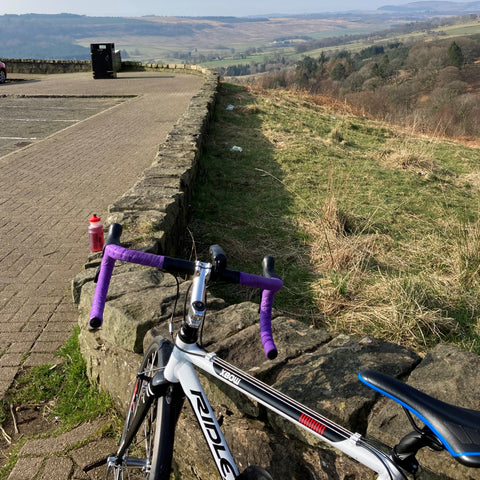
313, 366
15, 65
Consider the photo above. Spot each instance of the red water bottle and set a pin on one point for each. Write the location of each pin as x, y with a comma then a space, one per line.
95, 233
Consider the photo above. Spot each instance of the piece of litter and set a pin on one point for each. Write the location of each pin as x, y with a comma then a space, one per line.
235, 148
230, 107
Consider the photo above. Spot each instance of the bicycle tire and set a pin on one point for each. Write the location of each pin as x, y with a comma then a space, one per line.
254, 473
141, 461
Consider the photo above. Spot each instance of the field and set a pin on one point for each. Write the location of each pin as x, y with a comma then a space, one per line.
219, 38
472, 28
219, 44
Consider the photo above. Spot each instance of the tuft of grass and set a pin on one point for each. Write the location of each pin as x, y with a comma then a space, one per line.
410, 155
63, 393
375, 229
466, 254
63, 389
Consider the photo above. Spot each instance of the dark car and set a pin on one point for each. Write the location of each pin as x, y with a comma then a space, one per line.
3, 72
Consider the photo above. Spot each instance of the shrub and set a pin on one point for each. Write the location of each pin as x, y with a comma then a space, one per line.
455, 55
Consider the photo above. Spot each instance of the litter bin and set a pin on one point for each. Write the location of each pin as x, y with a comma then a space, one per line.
103, 60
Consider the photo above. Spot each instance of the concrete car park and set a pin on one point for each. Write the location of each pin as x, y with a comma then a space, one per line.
26, 120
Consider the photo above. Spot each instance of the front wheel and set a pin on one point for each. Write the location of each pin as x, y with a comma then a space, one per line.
254, 473
141, 460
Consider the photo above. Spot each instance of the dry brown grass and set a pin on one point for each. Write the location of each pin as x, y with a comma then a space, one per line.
354, 294
334, 247
339, 256
472, 179
249, 109
337, 106
409, 155
466, 255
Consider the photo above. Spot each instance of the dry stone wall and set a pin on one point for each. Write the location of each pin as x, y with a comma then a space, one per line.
313, 366
25, 65
15, 65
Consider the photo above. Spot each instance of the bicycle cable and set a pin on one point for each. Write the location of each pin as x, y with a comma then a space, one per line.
172, 316
200, 337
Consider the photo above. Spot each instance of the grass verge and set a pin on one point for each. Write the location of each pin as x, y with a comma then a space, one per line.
60, 393
375, 230
63, 388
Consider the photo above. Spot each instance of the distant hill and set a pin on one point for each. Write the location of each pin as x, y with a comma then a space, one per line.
201, 39
157, 38
441, 8
58, 36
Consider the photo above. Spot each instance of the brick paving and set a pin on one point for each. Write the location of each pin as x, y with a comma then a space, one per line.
49, 188
64, 457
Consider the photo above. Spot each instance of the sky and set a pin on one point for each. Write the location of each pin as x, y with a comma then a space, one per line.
137, 8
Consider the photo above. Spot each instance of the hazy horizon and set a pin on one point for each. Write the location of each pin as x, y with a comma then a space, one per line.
124, 8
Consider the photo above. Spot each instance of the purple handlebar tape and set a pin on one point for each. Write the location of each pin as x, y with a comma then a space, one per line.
269, 287
110, 255
116, 252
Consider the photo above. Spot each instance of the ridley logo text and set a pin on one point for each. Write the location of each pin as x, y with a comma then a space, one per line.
214, 438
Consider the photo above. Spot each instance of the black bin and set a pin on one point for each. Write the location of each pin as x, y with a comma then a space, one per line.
103, 60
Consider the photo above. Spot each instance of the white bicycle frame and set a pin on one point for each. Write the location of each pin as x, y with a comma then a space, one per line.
180, 369
186, 354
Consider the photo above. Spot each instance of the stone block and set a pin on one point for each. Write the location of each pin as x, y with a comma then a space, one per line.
150, 198
108, 366
25, 469
331, 373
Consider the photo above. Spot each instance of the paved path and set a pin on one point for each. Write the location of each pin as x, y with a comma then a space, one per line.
49, 188
65, 456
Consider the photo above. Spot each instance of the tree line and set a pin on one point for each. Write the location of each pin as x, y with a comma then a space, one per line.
431, 84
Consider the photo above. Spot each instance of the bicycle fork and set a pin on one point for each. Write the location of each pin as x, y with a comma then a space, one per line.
206, 418
170, 401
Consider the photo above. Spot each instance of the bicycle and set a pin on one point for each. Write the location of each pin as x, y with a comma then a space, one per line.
166, 377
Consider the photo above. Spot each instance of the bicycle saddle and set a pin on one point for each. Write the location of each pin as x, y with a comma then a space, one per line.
458, 429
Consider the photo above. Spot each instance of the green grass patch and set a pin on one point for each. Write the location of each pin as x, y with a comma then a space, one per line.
374, 229
63, 387
240, 205
62, 394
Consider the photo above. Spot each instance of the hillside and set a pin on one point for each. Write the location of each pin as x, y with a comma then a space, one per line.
375, 229
197, 39
68, 36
